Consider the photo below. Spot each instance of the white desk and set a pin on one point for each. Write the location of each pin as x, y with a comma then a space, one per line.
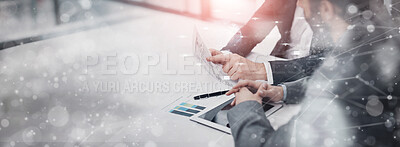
44, 99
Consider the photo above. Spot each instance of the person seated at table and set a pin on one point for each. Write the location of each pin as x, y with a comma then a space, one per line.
351, 100
296, 36
275, 72
287, 17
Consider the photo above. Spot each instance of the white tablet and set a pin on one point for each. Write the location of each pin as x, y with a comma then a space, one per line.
216, 117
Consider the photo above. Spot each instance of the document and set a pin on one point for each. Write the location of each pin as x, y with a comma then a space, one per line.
201, 52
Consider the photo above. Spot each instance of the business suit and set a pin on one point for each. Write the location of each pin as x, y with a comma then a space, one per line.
295, 69
281, 11
296, 83
350, 100
271, 12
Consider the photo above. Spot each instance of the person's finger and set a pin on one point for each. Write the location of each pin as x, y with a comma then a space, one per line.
233, 59
264, 86
214, 52
236, 76
244, 89
263, 90
251, 85
231, 91
234, 69
242, 83
233, 102
229, 65
218, 59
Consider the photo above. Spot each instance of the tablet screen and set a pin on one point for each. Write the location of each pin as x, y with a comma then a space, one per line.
219, 115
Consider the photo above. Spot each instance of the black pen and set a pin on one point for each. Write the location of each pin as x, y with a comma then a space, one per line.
218, 93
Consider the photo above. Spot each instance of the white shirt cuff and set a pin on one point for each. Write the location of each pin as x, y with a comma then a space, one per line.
284, 92
268, 70
226, 52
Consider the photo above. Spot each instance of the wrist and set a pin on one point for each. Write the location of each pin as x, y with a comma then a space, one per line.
280, 93
262, 74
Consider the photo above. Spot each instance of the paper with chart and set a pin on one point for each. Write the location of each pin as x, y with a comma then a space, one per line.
201, 52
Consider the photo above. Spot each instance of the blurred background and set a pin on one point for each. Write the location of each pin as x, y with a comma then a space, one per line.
24, 21
44, 45
41, 82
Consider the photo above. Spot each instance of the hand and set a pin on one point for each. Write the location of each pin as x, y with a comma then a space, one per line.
253, 86
215, 52
272, 93
238, 67
245, 94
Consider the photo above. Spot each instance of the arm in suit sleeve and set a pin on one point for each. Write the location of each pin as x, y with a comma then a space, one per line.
295, 90
291, 70
261, 24
250, 127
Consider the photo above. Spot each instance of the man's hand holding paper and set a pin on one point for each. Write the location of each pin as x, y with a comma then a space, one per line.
238, 67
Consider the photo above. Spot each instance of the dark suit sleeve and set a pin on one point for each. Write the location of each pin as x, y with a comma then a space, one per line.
291, 70
250, 127
262, 22
295, 90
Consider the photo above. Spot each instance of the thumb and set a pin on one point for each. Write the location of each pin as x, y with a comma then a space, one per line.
262, 93
263, 90
264, 86
233, 102
218, 59
214, 52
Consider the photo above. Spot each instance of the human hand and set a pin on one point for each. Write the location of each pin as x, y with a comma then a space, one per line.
253, 86
238, 67
244, 94
264, 90
215, 52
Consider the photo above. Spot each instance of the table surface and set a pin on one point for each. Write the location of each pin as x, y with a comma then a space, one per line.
63, 90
